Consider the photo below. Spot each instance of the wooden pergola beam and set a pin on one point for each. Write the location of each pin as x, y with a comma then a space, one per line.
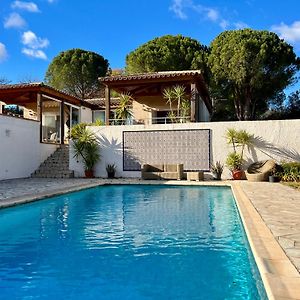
107, 105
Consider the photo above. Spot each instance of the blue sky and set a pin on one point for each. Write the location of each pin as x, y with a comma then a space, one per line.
32, 33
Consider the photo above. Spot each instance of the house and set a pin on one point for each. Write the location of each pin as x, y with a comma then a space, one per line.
56, 111
149, 105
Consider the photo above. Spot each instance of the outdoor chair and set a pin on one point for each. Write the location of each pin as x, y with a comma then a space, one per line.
260, 171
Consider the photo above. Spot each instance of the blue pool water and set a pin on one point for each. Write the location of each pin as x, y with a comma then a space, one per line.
128, 242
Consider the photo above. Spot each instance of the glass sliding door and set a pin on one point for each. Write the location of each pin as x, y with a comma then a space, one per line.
71, 118
51, 119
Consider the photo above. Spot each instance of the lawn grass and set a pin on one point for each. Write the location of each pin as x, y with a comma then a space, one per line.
295, 185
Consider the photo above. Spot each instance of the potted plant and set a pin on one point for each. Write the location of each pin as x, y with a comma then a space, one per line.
238, 139
111, 170
274, 175
234, 162
217, 170
85, 147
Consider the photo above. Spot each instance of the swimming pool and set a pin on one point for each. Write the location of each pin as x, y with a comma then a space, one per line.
128, 242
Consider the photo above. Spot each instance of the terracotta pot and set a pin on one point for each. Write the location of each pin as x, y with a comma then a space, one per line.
89, 173
237, 174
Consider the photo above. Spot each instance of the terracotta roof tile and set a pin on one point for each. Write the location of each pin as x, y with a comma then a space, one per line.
114, 102
34, 84
154, 75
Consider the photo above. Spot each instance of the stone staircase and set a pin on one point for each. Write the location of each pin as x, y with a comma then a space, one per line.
56, 165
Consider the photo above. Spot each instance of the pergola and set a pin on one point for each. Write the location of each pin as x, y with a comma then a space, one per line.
37, 96
153, 84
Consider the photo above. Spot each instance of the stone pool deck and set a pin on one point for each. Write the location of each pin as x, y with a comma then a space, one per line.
274, 205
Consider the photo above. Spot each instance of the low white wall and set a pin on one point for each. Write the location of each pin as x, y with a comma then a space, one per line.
278, 139
20, 150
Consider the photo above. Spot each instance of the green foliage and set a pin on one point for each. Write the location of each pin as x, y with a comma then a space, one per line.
78, 131
167, 53
76, 72
177, 94
123, 111
249, 67
290, 109
85, 146
234, 161
290, 171
98, 123
217, 170
239, 139
111, 170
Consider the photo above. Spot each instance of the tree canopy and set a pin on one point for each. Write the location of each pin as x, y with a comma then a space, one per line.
249, 67
76, 71
167, 53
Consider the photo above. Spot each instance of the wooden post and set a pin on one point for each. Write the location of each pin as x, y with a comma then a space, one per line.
39, 104
193, 101
62, 122
107, 105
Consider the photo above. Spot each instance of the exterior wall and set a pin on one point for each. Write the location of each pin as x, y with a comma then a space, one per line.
20, 150
278, 140
144, 108
141, 112
86, 115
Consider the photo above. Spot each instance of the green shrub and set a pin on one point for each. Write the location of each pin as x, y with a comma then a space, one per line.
290, 171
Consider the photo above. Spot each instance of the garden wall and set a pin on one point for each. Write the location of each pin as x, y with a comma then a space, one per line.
277, 139
20, 150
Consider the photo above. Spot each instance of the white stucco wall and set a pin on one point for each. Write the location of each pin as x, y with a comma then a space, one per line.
20, 150
279, 140
86, 115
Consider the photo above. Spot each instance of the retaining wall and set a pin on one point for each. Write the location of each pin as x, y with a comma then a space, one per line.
276, 139
20, 150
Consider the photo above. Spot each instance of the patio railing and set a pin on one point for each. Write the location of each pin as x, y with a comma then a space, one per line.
150, 121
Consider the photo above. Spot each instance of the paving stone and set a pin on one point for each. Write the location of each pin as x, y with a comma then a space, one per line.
279, 207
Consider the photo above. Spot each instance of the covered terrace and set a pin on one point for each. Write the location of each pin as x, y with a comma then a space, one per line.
56, 111
147, 89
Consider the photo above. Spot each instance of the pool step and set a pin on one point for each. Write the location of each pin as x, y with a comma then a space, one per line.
56, 165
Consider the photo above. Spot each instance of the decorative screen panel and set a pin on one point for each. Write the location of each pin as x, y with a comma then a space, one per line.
189, 147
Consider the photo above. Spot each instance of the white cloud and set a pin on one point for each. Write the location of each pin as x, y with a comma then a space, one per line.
177, 7
30, 40
34, 53
289, 33
211, 13
3, 52
180, 8
14, 20
28, 6
240, 25
224, 24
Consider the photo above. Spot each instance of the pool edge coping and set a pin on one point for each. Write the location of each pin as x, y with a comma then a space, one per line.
280, 277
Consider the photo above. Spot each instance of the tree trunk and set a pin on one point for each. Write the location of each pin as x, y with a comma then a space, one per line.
247, 110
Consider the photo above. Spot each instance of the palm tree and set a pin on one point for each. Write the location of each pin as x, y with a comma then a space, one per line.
180, 95
123, 111
169, 96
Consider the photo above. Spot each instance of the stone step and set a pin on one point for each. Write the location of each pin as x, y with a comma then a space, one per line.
56, 165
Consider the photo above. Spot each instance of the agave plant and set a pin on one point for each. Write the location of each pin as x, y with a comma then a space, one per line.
111, 170
217, 170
